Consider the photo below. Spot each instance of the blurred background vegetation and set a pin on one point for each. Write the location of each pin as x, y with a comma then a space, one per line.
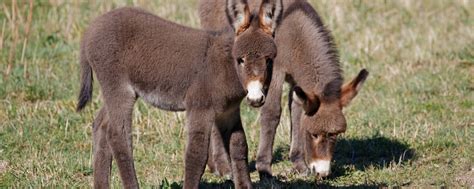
411, 125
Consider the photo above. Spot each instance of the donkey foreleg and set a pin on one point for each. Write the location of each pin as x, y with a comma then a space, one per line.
269, 119
238, 151
297, 138
219, 162
199, 125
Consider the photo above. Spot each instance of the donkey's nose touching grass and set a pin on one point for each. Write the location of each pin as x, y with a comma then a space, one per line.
320, 167
322, 122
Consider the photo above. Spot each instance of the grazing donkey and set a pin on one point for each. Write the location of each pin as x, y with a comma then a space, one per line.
308, 60
207, 74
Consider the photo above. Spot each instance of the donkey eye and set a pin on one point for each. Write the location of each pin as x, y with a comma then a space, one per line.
332, 135
314, 136
240, 61
269, 15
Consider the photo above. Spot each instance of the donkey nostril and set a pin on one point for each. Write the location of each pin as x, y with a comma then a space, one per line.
262, 99
256, 102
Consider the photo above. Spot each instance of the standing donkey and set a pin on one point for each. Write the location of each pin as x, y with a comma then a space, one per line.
207, 74
308, 60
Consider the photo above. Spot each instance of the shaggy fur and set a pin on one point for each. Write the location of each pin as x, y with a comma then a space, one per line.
137, 54
308, 60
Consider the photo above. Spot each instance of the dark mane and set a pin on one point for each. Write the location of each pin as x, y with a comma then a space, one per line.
329, 67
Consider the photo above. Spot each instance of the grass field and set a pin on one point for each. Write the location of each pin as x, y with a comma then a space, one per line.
411, 125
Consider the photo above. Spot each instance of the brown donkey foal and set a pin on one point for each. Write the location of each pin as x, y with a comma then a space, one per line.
207, 74
308, 60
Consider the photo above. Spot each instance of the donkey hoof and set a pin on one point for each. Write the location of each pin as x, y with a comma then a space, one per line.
299, 168
225, 174
264, 175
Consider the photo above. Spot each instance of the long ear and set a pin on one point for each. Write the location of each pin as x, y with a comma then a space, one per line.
350, 90
310, 105
238, 13
269, 13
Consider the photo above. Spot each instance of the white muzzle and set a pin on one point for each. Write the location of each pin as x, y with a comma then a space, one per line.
321, 167
255, 95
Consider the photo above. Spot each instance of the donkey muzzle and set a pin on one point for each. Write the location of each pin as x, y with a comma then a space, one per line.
255, 96
321, 168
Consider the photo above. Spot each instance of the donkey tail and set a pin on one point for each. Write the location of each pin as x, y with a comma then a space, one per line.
85, 95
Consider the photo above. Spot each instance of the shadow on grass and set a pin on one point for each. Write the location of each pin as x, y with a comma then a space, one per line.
274, 183
376, 152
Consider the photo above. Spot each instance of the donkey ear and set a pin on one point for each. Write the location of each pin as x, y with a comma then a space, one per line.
238, 13
310, 106
350, 90
270, 11
300, 94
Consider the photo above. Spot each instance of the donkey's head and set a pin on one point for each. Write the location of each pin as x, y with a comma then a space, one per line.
323, 121
254, 47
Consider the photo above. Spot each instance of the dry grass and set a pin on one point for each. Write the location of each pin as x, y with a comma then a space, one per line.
412, 124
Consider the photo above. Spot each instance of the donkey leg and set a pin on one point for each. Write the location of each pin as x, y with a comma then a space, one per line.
199, 125
102, 151
297, 139
238, 151
210, 158
269, 119
119, 108
218, 161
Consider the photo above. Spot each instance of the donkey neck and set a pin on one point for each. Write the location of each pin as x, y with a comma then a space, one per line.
221, 67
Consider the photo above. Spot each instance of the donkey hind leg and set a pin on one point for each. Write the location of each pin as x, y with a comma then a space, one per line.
269, 119
119, 103
297, 139
198, 124
218, 161
238, 151
102, 151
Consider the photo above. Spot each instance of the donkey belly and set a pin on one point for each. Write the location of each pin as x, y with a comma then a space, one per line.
163, 100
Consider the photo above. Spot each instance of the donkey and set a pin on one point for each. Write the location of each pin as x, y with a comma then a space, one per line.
308, 60
172, 67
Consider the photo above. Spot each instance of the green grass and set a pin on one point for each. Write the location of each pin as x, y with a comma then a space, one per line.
411, 125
